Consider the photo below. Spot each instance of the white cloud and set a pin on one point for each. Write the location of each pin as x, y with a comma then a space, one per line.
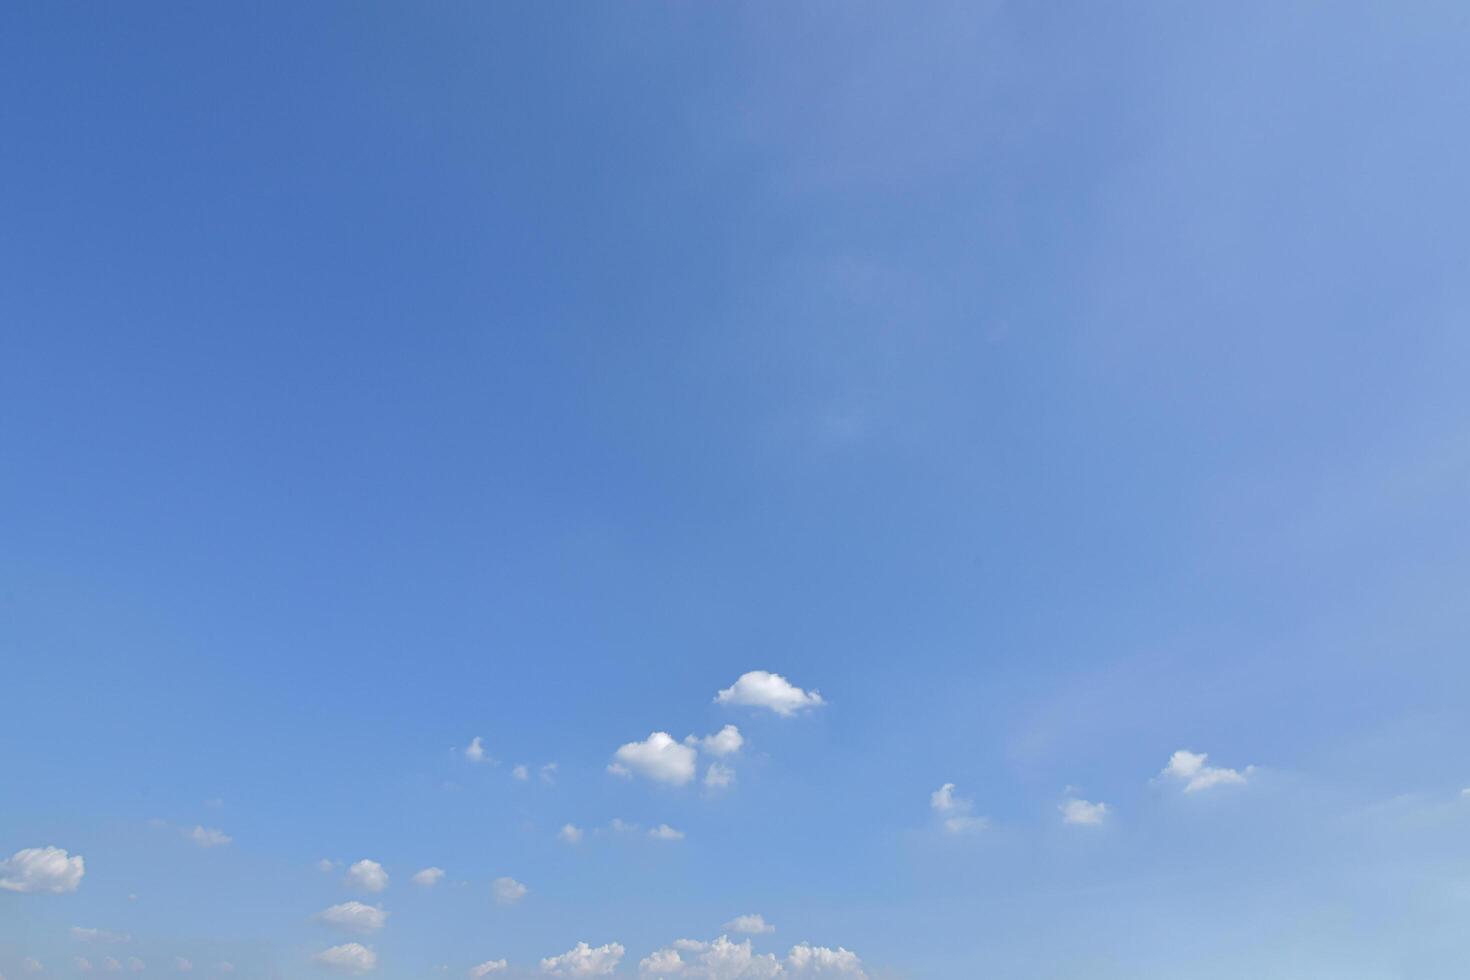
657, 757
1465, 793
956, 811
762, 689
753, 925
488, 967
354, 917
548, 773
1190, 768
570, 834
1082, 812
584, 961
99, 936
224, 966
82, 964
136, 965
726, 741
36, 870
209, 837
508, 891
367, 876
326, 865
111, 965
718, 776
664, 832
182, 965
520, 772
348, 958
475, 751
428, 878
661, 963
32, 965
620, 826
821, 961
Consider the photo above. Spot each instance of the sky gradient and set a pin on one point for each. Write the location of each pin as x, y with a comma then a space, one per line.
952, 490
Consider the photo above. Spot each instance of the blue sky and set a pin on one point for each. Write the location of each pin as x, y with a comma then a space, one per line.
1007, 404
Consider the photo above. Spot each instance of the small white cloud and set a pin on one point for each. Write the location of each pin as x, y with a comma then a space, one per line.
822, 961
1082, 812
82, 964
475, 751
99, 936
726, 741
428, 878
488, 967
718, 776
521, 773
584, 961
753, 925
367, 876
570, 834
548, 773
508, 891
224, 966
327, 866
956, 811
354, 917
42, 870
209, 837
657, 757
348, 958
32, 965
619, 826
136, 965
1465, 793
661, 963
182, 965
111, 965
762, 689
664, 832
1191, 769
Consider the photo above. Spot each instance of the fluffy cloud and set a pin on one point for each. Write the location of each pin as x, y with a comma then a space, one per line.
726, 741
111, 965
753, 925
428, 878
475, 751
98, 936
136, 965
367, 876
718, 776
1082, 812
488, 967
508, 891
348, 958
38, 870
182, 965
32, 965
955, 811
762, 689
664, 832
1191, 769
724, 959
657, 757
354, 917
521, 773
209, 837
584, 961
570, 834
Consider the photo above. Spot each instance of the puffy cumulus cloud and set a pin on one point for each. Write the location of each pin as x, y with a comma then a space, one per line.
475, 751
348, 958
718, 776
84, 935
1192, 769
209, 836
354, 917
570, 834
42, 870
488, 967
367, 876
726, 741
1082, 812
327, 865
955, 811
805, 960
584, 961
521, 773
753, 925
428, 878
664, 832
657, 757
724, 959
762, 689
508, 891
